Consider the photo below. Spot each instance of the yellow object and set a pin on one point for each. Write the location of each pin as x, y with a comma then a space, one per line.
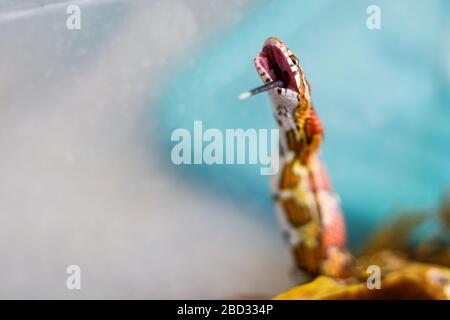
411, 281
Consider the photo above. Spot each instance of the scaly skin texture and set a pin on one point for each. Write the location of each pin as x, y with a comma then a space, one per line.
308, 208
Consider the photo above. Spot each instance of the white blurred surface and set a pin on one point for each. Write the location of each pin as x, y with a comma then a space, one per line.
78, 184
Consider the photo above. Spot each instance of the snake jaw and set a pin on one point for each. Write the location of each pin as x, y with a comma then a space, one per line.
274, 63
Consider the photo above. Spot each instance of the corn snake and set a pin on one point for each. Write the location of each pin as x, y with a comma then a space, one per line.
308, 208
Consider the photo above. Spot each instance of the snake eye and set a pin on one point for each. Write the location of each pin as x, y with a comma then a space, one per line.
294, 60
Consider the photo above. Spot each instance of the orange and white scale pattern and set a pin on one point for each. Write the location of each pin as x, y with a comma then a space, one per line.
308, 208
310, 213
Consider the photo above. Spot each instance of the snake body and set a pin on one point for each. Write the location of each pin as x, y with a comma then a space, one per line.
309, 209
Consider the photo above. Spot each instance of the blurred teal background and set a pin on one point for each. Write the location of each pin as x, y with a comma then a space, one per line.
383, 96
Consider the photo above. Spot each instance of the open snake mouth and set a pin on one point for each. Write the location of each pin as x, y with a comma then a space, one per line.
276, 69
273, 64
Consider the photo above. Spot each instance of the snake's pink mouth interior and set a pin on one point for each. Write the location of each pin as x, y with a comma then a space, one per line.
277, 65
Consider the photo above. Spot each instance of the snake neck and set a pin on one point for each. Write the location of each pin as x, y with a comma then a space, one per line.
309, 209
303, 142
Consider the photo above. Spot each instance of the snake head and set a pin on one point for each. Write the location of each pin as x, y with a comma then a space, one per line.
289, 91
277, 62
